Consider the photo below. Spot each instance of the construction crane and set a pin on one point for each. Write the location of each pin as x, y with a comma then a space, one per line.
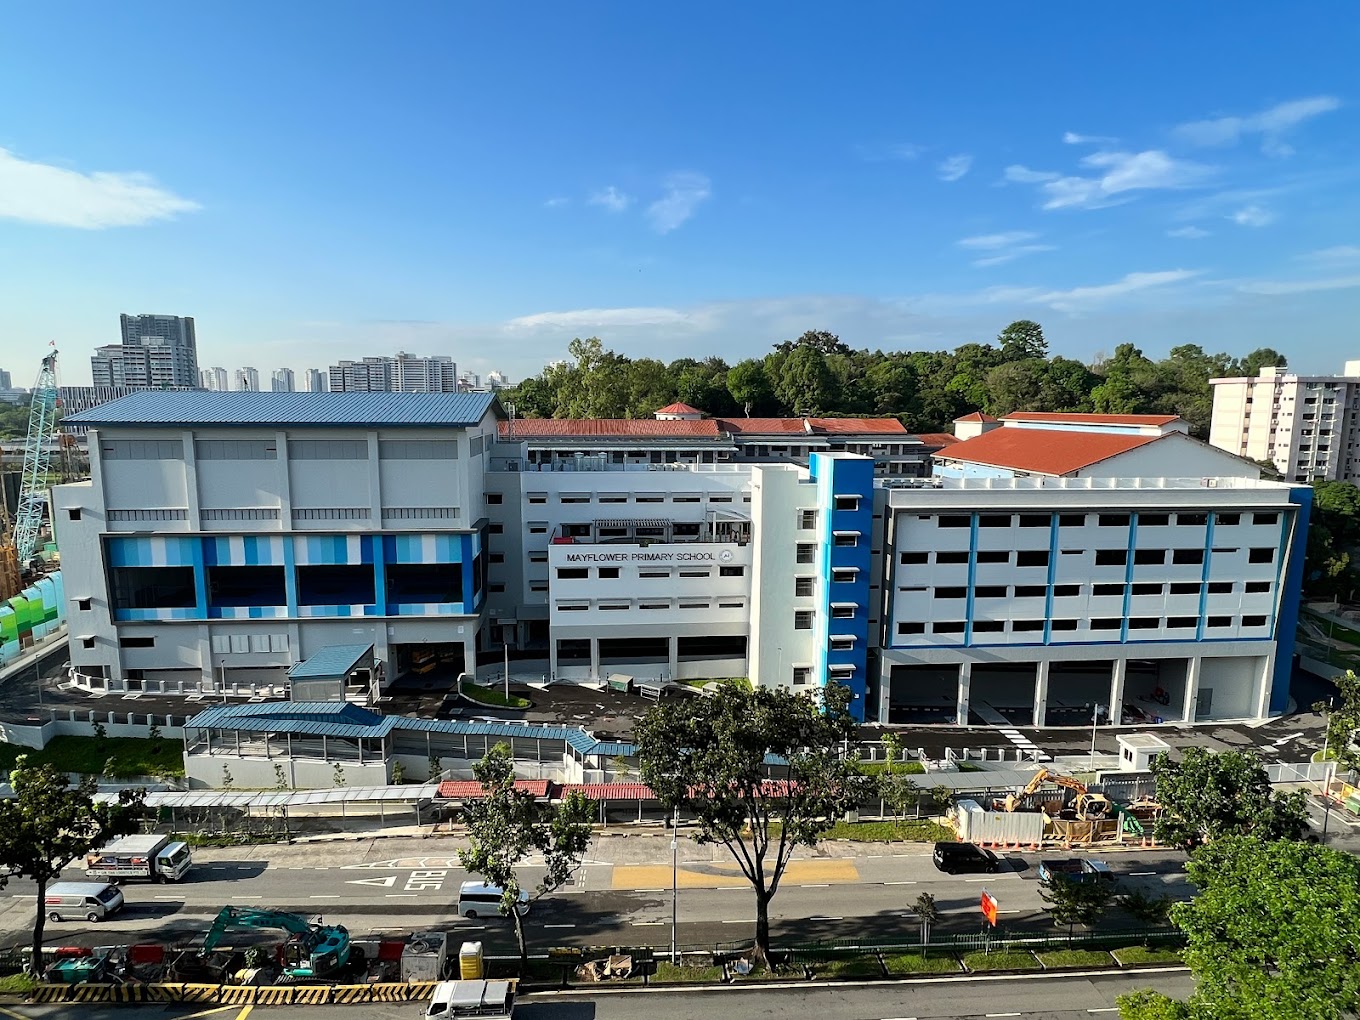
1089, 805
313, 950
42, 430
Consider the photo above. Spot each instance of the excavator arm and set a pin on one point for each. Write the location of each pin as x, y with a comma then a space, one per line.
241, 917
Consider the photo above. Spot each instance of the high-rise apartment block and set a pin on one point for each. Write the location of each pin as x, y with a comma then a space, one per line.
405, 373
214, 379
247, 379
316, 380
1306, 426
157, 351
282, 380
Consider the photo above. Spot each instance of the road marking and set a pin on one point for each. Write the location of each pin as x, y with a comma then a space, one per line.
641, 924
559, 926
750, 920
1000, 1014
398, 896
169, 897
1141, 874
1103, 1009
899, 883
385, 883
822, 886
874, 857
247, 897
326, 896
983, 880
819, 917
650, 890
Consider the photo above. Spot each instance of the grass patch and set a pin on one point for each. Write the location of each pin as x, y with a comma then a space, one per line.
132, 756
667, 972
877, 768
1076, 958
940, 962
17, 984
968, 766
492, 696
1334, 630
1006, 960
910, 831
849, 967
1134, 955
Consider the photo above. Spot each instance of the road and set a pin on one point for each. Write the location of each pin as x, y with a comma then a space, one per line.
401, 886
1087, 997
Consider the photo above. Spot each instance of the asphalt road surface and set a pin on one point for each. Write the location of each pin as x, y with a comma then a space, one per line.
856, 895
1054, 997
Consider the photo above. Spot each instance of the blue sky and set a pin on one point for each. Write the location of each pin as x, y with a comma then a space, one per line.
489, 180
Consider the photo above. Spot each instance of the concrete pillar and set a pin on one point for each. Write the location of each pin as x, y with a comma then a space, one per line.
1040, 693
470, 656
673, 654
884, 690
965, 682
1191, 689
552, 657
1117, 691
594, 658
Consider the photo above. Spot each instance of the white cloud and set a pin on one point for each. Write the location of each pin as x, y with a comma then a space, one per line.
1079, 300
1190, 233
41, 193
685, 192
1270, 123
1121, 173
1000, 258
1072, 138
599, 318
556, 203
1339, 253
1024, 175
1253, 216
954, 167
998, 249
986, 242
611, 198
1277, 288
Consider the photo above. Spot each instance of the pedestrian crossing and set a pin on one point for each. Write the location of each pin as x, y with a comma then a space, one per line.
1024, 743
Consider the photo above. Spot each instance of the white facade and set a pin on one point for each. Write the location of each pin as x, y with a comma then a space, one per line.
247, 380
282, 381
1306, 426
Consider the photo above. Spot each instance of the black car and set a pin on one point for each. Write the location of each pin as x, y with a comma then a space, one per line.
952, 858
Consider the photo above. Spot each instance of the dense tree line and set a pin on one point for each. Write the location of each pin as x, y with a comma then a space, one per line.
819, 375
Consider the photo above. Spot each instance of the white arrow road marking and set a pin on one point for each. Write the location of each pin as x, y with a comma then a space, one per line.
385, 883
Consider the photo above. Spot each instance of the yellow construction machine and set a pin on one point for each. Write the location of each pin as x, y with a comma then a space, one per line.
1089, 806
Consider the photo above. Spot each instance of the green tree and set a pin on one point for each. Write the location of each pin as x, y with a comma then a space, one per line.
1022, 340
398, 773
1071, 902
507, 825
1017, 386
1272, 935
899, 791
1153, 911
928, 913
750, 386
49, 823
436, 768
708, 756
1343, 721
338, 779
818, 340
891, 384
280, 777
892, 749
805, 384
1208, 795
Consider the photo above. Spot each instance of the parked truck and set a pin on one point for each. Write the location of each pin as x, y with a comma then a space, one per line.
157, 858
1075, 869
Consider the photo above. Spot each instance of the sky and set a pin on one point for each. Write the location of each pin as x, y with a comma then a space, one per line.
313, 181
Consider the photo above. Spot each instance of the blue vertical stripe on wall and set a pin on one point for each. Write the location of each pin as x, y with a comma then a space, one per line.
1290, 595
200, 580
469, 604
972, 578
290, 591
845, 476
1052, 577
1204, 575
1128, 578
379, 555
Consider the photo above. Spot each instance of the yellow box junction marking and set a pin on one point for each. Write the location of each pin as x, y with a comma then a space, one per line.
724, 875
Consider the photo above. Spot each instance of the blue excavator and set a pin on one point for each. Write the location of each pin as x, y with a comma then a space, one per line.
312, 950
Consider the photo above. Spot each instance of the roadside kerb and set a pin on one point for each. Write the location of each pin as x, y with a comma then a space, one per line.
237, 995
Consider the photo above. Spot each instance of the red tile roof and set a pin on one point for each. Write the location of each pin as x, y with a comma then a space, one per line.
812, 426
568, 428
976, 416
1043, 451
1091, 419
940, 439
613, 791
678, 408
470, 789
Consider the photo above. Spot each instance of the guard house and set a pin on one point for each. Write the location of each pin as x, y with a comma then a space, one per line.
336, 673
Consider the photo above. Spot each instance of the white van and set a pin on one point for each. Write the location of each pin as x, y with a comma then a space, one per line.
477, 899
90, 901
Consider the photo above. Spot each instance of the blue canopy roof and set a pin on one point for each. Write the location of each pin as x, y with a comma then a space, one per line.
334, 662
186, 408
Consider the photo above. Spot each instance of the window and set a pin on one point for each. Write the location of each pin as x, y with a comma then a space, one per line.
136, 642
802, 620
572, 607
731, 571
495, 529
1261, 555
1220, 621
538, 529
909, 558
802, 675
1185, 587
994, 521
615, 607
847, 502
807, 553
696, 573
1035, 520
654, 573
807, 519
953, 521
572, 573
842, 642
1113, 520
1192, 520
951, 593
496, 588
990, 591
1147, 589
538, 586
988, 626
1063, 625
1257, 587
141, 449
1031, 558
1181, 622
1149, 557
538, 557
1106, 623
1225, 520
1111, 557
1145, 623
993, 556
73, 513
574, 497
235, 449
649, 497
87, 642
1071, 520
1253, 621
1220, 587
947, 627
951, 557
1027, 626
911, 627
493, 499
613, 572
538, 497
846, 539
1066, 591
802, 587
1030, 591
843, 611
844, 575
1107, 589
654, 605
1187, 556
497, 557
1271, 518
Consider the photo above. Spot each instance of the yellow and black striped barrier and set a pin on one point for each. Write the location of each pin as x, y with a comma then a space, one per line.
238, 995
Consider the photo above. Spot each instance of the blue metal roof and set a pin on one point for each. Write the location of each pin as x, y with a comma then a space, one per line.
185, 408
334, 662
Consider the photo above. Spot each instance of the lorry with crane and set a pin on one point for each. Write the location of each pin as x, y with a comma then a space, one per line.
157, 858
312, 950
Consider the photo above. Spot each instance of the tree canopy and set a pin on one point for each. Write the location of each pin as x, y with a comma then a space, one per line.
1273, 934
818, 374
709, 757
1209, 795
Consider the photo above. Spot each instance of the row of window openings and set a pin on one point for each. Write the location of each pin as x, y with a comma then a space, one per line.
1104, 557
1023, 591
1145, 520
496, 498
1110, 623
606, 573
802, 619
222, 644
581, 607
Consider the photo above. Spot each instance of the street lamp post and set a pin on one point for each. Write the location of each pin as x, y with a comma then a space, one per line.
675, 879
1095, 721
